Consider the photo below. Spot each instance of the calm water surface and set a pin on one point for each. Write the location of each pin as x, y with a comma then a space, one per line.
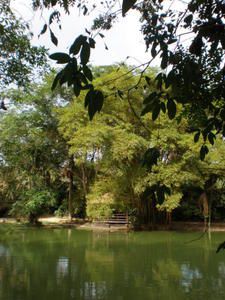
63, 264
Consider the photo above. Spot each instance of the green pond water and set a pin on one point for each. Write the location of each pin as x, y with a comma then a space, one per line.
53, 264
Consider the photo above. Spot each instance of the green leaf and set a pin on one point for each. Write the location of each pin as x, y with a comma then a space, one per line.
120, 93
151, 157
94, 101
206, 150
160, 78
92, 42
85, 10
170, 79
151, 98
188, 19
106, 47
74, 64
76, 88
85, 53
202, 152
53, 38
150, 102
69, 71
82, 77
67, 74
154, 19
153, 50
99, 99
197, 136
76, 46
88, 97
211, 138
156, 111
62, 79
146, 109
87, 73
163, 107
44, 29
196, 46
172, 109
164, 60
87, 87
54, 15
171, 41
62, 58
56, 80
148, 80
127, 4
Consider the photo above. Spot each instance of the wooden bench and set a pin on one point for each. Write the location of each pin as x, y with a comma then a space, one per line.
118, 219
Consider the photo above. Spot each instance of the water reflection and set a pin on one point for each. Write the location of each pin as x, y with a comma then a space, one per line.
3, 251
62, 267
188, 275
61, 264
93, 290
221, 269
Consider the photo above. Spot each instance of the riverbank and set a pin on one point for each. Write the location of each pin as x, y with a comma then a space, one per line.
82, 224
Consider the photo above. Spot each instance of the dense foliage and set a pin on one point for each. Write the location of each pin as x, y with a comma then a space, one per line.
137, 154
20, 61
54, 159
190, 43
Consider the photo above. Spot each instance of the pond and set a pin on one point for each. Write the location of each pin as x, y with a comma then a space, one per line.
63, 264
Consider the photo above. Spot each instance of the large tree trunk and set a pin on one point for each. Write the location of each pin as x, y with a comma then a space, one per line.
169, 218
206, 210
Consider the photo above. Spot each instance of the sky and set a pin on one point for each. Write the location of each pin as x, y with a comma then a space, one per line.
124, 39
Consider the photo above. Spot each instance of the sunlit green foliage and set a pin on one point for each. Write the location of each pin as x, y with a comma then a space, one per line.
119, 161
33, 204
32, 150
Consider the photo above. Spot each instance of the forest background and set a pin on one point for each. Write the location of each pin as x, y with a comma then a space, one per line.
137, 153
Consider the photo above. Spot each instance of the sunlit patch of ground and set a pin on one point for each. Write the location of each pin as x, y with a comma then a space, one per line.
79, 223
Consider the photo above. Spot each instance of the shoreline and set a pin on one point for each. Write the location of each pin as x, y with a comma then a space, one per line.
65, 222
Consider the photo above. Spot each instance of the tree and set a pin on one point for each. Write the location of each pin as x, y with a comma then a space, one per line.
33, 153
192, 72
118, 161
139, 164
191, 75
20, 62
106, 149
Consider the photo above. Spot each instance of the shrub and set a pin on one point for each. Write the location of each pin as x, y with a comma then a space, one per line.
32, 204
100, 207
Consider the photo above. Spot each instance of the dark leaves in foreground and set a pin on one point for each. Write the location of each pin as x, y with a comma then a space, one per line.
53, 38
94, 101
2, 105
127, 4
160, 192
79, 76
151, 157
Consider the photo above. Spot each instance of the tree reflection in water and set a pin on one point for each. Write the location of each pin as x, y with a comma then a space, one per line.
60, 264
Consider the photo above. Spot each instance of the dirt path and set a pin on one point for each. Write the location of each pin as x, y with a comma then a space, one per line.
65, 222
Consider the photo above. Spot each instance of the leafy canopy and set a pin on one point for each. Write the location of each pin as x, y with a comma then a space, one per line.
20, 61
189, 43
